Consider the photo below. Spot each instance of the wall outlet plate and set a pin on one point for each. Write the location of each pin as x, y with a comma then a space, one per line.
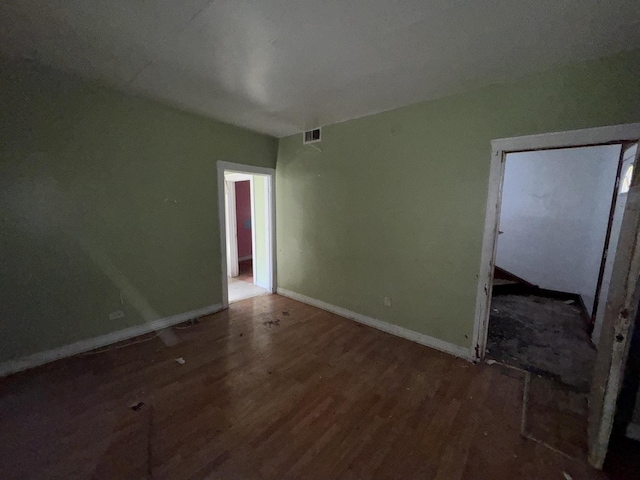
387, 301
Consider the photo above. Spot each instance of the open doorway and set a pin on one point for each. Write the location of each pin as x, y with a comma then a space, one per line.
571, 269
555, 227
247, 233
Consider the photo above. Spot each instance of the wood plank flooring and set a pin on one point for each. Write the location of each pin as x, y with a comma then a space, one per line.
271, 389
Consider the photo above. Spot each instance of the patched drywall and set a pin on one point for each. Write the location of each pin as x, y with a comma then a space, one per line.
393, 205
554, 217
108, 203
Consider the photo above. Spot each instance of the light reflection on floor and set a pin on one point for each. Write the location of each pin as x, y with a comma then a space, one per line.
240, 290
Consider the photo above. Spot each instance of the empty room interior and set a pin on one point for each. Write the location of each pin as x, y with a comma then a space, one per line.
319, 240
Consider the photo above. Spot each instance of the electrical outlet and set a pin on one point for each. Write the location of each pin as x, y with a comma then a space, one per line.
116, 315
387, 301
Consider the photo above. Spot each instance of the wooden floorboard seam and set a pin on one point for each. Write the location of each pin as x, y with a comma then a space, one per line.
318, 396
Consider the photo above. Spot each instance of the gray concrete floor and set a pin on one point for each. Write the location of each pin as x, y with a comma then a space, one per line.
543, 335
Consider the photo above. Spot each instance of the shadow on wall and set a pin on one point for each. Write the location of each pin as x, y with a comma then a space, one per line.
106, 205
48, 234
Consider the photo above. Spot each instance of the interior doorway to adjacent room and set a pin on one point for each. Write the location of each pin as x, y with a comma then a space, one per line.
557, 220
558, 278
246, 231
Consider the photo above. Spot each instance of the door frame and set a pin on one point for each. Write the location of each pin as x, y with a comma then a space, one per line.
231, 223
605, 252
624, 290
231, 235
499, 149
620, 315
626, 162
270, 174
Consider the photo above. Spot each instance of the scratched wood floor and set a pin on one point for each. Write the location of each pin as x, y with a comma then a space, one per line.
271, 389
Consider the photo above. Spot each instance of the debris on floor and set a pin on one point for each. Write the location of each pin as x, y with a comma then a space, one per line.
544, 336
180, 360
275, 322
137, 406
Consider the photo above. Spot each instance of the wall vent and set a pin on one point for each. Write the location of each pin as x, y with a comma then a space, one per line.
311, 136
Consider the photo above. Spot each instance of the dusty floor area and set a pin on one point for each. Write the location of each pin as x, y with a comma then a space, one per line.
544, 336
557, 416
272, 389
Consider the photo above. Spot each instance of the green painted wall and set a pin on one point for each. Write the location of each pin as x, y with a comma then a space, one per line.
393, 205
107, 202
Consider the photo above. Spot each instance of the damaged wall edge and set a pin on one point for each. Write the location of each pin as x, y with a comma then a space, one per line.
390, 328
82, 346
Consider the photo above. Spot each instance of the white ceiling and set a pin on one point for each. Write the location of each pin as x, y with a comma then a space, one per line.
280, 66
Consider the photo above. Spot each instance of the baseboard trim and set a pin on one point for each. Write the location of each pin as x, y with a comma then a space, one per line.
396, 330
633, 432
37, 359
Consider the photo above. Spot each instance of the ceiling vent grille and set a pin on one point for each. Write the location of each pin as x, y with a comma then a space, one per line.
311, 136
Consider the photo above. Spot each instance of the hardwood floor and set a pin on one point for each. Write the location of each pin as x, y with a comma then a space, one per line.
271, 389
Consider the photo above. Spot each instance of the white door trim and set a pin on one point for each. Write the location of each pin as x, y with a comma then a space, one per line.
254, 257
231, 226
270, 173
271, 233
499, 149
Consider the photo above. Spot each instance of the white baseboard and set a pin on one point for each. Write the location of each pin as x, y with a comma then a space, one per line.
396, 330
633, 431
25, 363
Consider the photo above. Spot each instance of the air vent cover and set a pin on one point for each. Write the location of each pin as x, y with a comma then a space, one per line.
312, 136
